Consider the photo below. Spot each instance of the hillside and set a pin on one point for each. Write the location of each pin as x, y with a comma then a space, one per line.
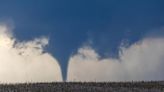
85, 87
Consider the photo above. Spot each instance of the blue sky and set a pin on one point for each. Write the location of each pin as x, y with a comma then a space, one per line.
69, 24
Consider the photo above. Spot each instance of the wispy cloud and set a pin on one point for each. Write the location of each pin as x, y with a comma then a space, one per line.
25, 61
143, 60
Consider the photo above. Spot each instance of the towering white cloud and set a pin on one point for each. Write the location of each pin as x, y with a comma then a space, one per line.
25, 61
143, 60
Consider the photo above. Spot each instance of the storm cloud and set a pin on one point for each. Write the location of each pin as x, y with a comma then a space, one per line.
28, 62
143, 60
25, 61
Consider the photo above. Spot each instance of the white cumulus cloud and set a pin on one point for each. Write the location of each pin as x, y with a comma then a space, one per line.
143, 60
26, 61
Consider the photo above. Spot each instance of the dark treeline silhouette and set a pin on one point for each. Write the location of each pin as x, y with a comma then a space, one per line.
152, 86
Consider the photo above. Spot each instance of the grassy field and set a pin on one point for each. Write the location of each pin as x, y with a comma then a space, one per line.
85, 87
